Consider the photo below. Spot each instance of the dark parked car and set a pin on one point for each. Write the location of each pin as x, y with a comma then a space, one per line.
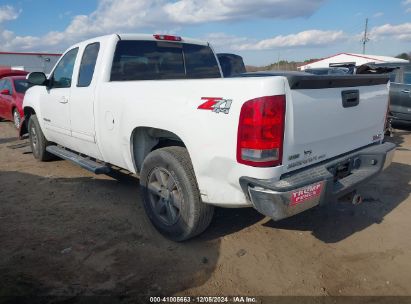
329, 71
400, 88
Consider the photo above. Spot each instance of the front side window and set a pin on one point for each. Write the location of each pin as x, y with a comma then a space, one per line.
88, 64
149, 60
63, 73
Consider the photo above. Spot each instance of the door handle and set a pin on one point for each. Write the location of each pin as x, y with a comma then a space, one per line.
63, 100
405, 91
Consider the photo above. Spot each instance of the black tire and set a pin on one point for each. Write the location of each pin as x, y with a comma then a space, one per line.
38, 142
185, 215
16, 119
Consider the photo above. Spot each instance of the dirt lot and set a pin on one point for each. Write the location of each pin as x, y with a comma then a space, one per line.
65, 231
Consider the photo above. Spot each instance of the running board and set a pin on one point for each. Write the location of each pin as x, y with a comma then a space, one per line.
83, 162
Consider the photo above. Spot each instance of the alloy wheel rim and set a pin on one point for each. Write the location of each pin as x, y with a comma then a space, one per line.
33, 136
16, 119
165, 196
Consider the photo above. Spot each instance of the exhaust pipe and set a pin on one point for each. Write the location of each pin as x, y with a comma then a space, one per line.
356, 199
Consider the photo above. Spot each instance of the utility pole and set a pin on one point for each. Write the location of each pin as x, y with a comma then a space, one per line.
365, 39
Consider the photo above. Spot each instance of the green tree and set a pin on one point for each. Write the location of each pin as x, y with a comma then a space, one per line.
403, 56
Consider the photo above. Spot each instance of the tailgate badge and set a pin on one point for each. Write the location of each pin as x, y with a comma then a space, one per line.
294, 156
308, 153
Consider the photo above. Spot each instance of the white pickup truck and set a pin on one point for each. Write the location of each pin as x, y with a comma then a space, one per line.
158, 106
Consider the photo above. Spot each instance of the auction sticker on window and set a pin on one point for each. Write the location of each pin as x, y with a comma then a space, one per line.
306, 193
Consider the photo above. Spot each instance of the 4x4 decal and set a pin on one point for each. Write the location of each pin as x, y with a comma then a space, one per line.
216, 104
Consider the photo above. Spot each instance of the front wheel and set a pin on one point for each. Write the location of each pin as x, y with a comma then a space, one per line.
37, 140
171, 196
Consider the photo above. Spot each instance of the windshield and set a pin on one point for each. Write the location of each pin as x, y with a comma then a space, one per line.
22, 85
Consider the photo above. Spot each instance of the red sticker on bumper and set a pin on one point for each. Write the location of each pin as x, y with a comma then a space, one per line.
306, 193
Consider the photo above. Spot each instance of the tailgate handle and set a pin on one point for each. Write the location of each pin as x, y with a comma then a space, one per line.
350, 98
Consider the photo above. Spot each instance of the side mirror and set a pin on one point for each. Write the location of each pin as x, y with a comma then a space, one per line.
37, 78
5, 92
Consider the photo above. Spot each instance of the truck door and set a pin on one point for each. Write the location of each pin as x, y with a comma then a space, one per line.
55, 103
82, 96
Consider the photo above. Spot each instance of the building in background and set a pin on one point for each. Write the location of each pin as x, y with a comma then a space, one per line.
31, 62
349, 59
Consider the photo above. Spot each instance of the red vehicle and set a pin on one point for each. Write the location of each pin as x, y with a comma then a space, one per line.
12, 90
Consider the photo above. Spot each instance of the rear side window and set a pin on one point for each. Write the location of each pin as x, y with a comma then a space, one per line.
149, 60
88, 64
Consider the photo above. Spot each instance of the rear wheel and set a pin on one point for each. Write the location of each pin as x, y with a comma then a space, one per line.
37, 140
171, 196
16, 119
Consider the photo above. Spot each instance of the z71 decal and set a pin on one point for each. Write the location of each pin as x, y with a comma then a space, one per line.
216, 104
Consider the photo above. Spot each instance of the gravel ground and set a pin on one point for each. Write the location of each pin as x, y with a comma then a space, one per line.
66, 232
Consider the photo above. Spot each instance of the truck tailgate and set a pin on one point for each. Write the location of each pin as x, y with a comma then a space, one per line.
329, 116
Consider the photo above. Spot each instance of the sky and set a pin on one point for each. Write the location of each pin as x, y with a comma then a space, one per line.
262, 31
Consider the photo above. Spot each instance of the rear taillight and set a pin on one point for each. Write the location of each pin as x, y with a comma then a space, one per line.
261, 132
167, 37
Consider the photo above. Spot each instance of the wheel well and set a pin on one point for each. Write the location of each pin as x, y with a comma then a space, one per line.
146, 139
27, 113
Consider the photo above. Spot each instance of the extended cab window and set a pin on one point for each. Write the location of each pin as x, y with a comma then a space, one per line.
63, 72
149, 60
88, 63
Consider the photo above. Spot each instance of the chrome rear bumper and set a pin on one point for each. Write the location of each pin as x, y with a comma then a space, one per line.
297, 192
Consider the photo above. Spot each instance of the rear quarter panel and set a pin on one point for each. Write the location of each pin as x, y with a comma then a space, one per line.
172, 105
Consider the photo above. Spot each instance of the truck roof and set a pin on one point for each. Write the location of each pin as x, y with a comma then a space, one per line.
148, 37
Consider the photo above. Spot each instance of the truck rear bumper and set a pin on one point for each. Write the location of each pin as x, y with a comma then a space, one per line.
328, 181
